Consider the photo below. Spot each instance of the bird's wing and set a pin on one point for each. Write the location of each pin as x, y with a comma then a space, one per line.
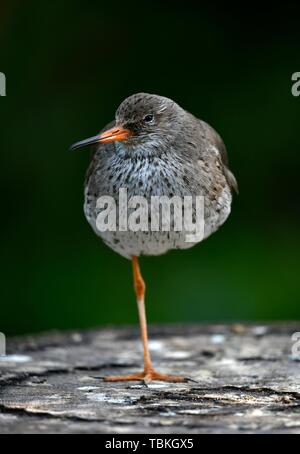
214, 138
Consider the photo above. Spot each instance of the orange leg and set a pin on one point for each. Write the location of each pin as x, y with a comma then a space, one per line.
149, 373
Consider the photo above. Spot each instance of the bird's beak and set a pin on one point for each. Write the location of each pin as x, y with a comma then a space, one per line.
116, 133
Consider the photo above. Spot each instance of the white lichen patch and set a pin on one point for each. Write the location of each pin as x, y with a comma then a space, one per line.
256, 413
87, 388
157, 385
15, 358
102, 397
217, 338
155, 345
167, 413
178, 355
259, 330
194, 411
76, 337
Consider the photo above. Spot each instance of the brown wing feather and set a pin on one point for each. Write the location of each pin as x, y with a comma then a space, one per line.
217, 141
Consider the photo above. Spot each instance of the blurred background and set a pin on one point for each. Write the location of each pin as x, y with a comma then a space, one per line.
68, 66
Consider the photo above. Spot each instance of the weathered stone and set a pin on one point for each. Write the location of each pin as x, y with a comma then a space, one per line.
246, 380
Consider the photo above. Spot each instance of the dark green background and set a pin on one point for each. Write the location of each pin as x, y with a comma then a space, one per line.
68, 66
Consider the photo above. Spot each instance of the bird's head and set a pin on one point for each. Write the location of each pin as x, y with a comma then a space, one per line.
142, 118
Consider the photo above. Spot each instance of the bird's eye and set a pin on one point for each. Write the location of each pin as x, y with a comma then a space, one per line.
148, 118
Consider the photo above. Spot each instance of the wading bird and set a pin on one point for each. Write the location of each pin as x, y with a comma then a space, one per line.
156, 148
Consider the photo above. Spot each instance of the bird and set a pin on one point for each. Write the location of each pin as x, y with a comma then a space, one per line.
154, 147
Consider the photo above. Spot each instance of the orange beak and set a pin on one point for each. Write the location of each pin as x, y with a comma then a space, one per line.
116, 133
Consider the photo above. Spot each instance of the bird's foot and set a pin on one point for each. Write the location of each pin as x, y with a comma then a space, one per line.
147, 377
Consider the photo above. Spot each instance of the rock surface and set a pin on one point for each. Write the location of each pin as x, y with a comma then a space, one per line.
246, 380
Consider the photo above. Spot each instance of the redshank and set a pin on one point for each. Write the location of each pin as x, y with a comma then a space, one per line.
155, 148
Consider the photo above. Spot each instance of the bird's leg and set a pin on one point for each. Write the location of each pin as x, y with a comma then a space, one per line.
140, 288
149, 373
